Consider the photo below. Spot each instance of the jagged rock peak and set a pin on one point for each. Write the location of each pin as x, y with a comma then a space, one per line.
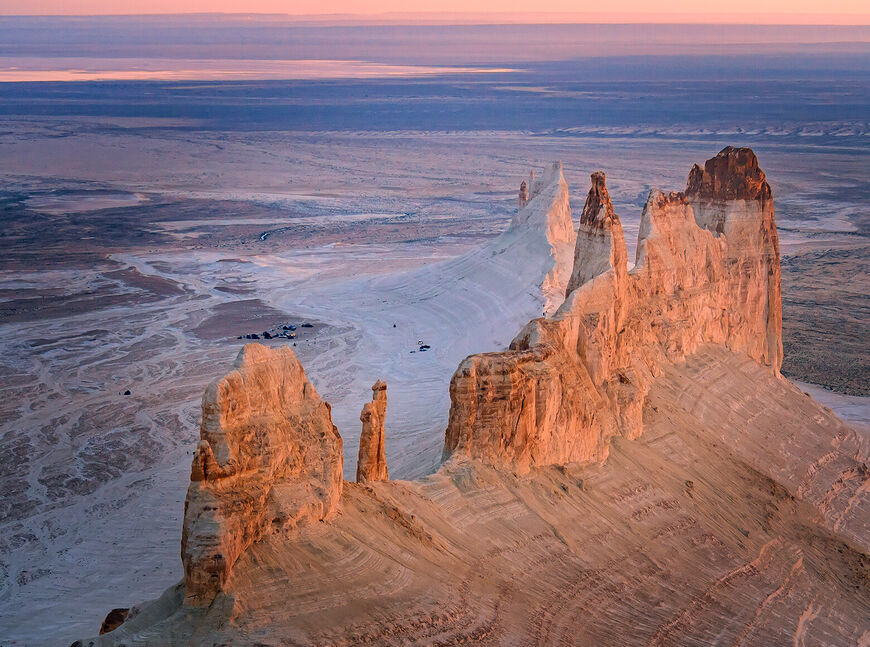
269, 459
598, 209
707, 272
733, 174
600, 244
372, 462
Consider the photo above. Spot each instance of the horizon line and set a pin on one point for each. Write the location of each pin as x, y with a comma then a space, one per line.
771, 19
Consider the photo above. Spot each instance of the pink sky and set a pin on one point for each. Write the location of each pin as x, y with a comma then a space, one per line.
801, 11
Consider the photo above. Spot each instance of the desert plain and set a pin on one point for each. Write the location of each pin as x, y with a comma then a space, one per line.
139, 245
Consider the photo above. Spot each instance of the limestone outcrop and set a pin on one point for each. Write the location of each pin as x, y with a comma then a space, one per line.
741, 514
372, 462
542, 232
269, 460
707, 271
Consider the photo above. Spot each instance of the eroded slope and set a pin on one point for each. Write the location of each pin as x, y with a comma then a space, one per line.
633, 471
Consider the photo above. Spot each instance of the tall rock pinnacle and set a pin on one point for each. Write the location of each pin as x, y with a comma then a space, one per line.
372, 462
600, 244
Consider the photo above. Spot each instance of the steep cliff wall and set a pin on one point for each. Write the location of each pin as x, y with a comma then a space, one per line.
269, 459
740, 516
570, 382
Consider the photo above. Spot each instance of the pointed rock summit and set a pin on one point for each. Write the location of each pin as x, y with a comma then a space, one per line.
600, 244
598, 208
733, 174
372, 462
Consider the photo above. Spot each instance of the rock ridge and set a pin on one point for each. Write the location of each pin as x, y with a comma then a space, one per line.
740, 485
707, 271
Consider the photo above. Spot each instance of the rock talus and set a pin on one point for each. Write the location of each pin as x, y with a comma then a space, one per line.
707, 271
269, 459
372, 462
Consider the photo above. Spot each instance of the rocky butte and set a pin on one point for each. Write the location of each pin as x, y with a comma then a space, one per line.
633, 470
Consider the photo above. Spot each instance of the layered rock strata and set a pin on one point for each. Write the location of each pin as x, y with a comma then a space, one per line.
707, 271
372, 462
741, 516
269, 460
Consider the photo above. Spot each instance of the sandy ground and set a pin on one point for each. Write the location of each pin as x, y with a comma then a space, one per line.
150, 296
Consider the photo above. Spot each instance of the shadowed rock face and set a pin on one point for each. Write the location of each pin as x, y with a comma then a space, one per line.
372, 462
269, 459
733, 174
570, 382
114, 619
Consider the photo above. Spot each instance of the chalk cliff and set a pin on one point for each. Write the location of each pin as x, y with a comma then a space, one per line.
269, 460
542, 231
632, 471
372, 462
570, 382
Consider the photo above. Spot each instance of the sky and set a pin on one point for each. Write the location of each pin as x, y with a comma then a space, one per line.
832, 11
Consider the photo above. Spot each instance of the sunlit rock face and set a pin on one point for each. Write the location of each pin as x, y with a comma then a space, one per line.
595, 251
269, 460
740, 515
707, 271
372, 462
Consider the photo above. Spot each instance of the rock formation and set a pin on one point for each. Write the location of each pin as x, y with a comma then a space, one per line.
595, 248
114, 619
544, 226
740, 516
570, 382
269, 460
372, 462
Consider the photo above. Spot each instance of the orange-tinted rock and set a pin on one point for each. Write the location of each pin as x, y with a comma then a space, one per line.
372, 462
269, 459
600, 243
733, 174
707, 271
